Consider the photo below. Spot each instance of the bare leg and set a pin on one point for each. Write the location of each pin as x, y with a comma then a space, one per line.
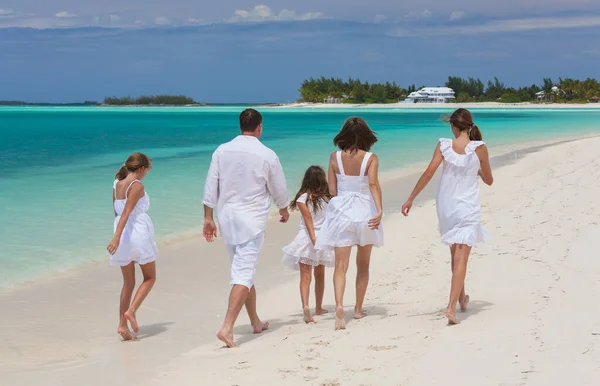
342, 260
363, 259
461, 256
237, 298
463, 299
305, 279
250, 303
126, 292
149, 272
319, 272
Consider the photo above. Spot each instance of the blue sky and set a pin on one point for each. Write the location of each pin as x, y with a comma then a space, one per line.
238, 50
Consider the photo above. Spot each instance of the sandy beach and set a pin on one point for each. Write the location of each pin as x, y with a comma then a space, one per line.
471, 105
532, 320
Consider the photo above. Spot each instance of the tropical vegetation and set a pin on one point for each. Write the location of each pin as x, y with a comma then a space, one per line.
336, 90
155, 100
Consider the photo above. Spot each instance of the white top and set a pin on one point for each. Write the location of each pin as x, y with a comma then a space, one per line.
457, 201
353, 184
317, 217
242, 177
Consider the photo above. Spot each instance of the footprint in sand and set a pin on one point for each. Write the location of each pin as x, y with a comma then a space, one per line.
382, 348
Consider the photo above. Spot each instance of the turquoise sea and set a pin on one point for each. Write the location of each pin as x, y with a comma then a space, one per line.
57, 164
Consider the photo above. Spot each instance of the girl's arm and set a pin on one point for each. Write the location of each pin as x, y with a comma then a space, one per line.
424, 180
133, 196
331, 177
485, 170
375, 189
113, 199
303, 208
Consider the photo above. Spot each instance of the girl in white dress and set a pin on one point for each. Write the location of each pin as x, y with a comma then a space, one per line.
353, 216
457, 202
133, 240
311, 200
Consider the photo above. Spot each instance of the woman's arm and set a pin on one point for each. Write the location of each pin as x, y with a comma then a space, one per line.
435, 163
375, 188
485, 170
307, 221
331, 177
133, 196
113, 199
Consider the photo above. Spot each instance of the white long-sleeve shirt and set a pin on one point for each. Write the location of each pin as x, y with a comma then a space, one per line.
242, 177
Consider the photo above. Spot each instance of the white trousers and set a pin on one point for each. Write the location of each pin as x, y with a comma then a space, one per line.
244, 258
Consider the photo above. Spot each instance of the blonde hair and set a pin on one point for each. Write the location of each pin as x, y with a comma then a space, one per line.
134, 162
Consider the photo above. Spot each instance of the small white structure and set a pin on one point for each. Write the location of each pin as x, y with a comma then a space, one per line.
541, 96
431, 95
332, 100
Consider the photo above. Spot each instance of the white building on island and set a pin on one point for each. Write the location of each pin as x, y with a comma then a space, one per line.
431, 95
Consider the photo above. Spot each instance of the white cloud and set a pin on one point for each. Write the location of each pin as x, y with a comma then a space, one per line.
592, 51
264, 13
96, 19
139, 22
162, 20
379, 18
192, 20
425, 14
497, 26
64, 14
114, 18
457, 15
5, 12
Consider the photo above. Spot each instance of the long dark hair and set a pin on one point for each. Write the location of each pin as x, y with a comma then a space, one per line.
314, 184
462, 119
134, 162
355, 135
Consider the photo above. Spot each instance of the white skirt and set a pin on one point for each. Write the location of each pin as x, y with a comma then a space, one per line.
302, 251
137, 242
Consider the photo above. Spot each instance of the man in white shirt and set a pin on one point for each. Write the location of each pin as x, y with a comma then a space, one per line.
243, 176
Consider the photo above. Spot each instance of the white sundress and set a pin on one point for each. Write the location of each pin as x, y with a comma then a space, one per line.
348, 214
457, 200
302, 250
137, 241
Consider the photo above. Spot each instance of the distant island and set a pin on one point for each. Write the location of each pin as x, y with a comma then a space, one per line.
456, 89
154, 100
22, 103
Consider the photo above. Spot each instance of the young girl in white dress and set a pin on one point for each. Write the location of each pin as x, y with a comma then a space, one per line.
353, 216
311, 200
133, 240
457, 202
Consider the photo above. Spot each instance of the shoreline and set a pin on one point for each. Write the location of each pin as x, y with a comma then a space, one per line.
57, 338
468, 105
387, 177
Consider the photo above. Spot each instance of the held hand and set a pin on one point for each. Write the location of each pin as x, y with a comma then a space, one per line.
210, 230
113, 245
407, 207
285, 215
375, 221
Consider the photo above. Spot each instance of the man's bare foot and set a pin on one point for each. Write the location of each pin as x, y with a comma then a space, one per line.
307, 316
464, 302
125, 334
452, 319
359, 314
260, 327
321, 311
227, 338
130, 316
340, 323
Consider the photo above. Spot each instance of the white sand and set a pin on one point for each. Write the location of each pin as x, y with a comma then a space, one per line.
471, 105
533, 319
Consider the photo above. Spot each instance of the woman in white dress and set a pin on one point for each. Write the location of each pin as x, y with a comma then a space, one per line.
301, 255
133, 240
353, 216
457, 202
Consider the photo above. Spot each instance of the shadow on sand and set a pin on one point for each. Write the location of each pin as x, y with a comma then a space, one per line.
475, 307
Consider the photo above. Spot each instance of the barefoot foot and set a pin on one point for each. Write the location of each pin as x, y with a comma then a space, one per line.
130, 316
125, 334
452, 319
464, 302
340, 323
260, 327
359, 314
307, 316
227, 338
321, 311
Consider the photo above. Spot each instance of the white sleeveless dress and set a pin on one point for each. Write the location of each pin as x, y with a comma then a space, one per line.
347, 215
302, 250
137, 241
457, 200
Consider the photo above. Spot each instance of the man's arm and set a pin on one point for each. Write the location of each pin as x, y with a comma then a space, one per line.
211, 198
278, 188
